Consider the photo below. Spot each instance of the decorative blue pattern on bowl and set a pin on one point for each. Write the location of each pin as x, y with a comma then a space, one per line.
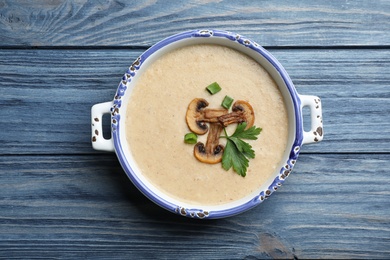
196, 212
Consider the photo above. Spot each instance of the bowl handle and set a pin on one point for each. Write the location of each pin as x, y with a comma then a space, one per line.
316, 132
98, 141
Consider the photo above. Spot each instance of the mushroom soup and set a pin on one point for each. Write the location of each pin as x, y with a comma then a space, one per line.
156, 123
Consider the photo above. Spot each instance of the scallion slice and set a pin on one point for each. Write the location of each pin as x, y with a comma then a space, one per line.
227, 102
190, 138
213, 88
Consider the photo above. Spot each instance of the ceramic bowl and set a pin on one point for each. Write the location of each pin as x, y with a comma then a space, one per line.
293, 101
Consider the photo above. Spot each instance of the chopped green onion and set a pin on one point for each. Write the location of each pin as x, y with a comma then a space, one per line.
213, 88
227, 102
190, 138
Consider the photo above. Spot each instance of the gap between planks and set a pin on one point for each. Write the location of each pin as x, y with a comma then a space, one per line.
142, 47
113, 154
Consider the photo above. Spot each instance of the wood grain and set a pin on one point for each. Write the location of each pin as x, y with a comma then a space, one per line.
46, 96
143, 23
85, 206
61, 199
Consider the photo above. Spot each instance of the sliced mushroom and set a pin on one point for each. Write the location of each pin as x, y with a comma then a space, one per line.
242, 112
198, 115
213, 151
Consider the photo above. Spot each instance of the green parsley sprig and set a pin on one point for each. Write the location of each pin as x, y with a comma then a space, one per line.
238, 152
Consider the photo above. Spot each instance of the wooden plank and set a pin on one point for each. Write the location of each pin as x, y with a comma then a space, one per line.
332, 206
46, 96
143, 23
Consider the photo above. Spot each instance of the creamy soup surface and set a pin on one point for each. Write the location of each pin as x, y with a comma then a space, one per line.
155, 123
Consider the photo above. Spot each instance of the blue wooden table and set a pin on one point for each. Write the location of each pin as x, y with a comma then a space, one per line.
61, 199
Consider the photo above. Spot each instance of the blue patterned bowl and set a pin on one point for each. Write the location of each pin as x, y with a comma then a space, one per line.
293, 101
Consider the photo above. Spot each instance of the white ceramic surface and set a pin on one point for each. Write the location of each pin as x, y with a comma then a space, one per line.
294, 103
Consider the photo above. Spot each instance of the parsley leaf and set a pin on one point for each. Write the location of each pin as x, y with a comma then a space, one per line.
251, 133
232, 157
237, 152
243, 147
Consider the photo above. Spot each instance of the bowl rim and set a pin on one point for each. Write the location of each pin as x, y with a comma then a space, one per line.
198, 212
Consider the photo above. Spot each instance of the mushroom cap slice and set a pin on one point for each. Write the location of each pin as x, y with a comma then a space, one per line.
213, 151
194, 116
210, 158
242, 111
244, 107
198, 115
